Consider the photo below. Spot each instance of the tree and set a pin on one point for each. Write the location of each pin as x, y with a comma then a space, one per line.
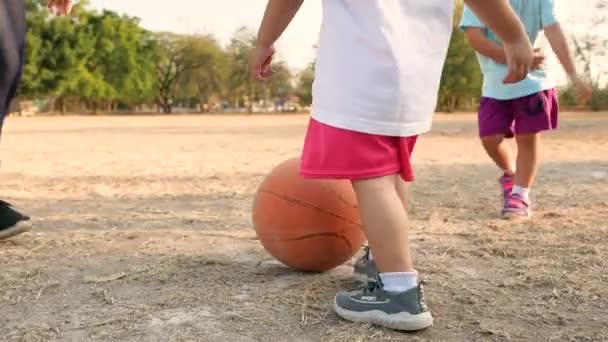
280, 86
176, 56
30, 84
59, 50
208, 79
304, 84
591, 43
87, 59
242, 89
461, 79
122, 62
103, 61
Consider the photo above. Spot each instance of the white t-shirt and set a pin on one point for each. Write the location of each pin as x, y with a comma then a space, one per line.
379, 64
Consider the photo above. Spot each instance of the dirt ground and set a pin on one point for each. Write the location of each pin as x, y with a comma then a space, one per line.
142, 233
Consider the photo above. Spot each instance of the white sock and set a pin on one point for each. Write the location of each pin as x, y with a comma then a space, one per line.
523, 192
399, 281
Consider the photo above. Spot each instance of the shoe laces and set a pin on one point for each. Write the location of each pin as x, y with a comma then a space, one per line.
372, 286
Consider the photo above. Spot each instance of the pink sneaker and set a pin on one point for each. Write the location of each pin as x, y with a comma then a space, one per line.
516, 207
506, 183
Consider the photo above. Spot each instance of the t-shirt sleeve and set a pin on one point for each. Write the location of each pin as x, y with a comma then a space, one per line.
548, 15
469, 19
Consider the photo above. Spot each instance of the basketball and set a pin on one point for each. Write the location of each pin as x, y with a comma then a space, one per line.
309, 225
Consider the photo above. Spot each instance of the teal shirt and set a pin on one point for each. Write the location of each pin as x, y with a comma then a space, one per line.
535, 15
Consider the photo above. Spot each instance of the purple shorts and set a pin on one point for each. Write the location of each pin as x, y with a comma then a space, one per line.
525, 115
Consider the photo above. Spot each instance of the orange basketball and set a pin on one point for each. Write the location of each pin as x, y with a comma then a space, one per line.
310, 225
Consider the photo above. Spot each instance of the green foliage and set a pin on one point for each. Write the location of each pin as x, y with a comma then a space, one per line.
599, 100
122, 62
88, 58
304, 86
242, 90
461, 79
186, 61
280, 84
200, 84
567, 98
105, 61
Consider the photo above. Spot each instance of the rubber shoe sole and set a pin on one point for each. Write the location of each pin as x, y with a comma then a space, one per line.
20, 228
402, 321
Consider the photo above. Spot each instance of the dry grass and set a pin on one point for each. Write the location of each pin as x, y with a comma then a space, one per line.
142, 233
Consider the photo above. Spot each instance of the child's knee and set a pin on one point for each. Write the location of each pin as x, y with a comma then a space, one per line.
527, 140
492, 140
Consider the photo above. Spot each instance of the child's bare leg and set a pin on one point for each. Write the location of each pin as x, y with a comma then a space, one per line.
518, 204
497, 149
385, 223
527, 159
396, 300
365, 268
403, 190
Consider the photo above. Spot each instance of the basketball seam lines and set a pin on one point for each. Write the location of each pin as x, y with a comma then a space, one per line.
296, 201
302, 203
339, 236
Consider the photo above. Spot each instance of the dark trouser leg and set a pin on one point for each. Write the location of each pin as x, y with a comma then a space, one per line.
12, 47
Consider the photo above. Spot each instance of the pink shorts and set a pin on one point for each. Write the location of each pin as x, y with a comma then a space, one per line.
334, 153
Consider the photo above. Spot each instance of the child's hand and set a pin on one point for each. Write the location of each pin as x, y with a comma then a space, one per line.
260, 63
583, 89
539, 59
60, 7
520, 58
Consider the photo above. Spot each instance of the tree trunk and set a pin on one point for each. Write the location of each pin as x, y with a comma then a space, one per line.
165, 104
167, 107
61, 105
250, 103
202, 101
452, 104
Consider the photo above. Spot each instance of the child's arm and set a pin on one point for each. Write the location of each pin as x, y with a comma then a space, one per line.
277, 17
481, 43
478, 40
557, 39
502, 20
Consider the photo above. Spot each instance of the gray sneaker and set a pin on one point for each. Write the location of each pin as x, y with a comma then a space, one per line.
406, 311
365, 270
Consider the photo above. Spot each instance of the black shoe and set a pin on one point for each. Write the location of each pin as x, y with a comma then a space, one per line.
12, 222
406, 311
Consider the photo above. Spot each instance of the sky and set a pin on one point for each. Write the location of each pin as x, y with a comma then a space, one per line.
223, 17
